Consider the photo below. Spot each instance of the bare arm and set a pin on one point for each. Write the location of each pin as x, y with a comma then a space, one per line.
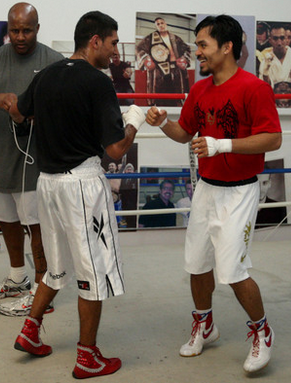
259, 143
132, 120
118, 149
172, 129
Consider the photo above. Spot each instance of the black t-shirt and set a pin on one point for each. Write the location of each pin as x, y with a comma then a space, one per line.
76, 114
158, 220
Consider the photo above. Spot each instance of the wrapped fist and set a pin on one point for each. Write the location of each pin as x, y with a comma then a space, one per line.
134, 116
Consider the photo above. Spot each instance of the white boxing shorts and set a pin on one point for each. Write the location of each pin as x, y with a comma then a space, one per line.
21, 207
79, 231
220, 230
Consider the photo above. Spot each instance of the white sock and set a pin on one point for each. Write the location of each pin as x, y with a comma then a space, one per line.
34, 288
201, 312
17, 274
260, 323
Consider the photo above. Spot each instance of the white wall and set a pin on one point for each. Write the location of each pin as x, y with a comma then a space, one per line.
58, 17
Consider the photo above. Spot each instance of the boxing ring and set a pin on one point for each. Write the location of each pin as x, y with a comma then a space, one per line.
147, 326
193, 172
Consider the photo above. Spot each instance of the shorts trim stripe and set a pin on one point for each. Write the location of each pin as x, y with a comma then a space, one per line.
113, 238
87, 234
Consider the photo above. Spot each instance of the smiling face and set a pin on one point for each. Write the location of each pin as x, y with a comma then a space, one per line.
208, 53
166, 192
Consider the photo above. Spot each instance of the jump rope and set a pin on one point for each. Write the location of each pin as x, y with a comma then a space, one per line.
28, 160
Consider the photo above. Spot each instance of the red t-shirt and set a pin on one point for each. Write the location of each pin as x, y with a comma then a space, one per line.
242, 106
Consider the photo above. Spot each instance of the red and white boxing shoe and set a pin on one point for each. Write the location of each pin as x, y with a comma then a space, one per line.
90, 363
260, 352
204, 332
28, 340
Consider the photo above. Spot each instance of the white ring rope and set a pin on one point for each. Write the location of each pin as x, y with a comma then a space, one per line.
162, 135
181, 210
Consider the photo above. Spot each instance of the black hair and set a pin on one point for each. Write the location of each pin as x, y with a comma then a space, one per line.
159, 18
167, 182
93, 23
223, 28
278, 25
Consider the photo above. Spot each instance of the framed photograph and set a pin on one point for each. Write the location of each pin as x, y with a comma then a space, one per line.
273, 57
272, 189
165, 192
164, 55
4, 38
124, 190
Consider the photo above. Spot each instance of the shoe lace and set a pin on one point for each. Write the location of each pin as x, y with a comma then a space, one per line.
97, 352
256, 342
196, 328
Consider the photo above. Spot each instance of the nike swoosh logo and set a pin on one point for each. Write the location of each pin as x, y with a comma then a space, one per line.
208, 332
269, 341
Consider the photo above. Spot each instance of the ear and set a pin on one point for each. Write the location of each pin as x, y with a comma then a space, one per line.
227, 47
95, 41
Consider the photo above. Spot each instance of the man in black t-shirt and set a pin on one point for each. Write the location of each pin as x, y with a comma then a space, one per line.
162, 201
77, 117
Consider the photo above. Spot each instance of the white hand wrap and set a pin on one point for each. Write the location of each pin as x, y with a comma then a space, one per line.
134, 116
165, 120
220, 146
164, 123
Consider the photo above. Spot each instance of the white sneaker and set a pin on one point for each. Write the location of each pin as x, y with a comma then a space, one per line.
260, 352
9, 288
21, 307
204, 332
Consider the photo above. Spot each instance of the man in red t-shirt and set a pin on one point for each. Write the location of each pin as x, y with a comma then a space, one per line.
235, 117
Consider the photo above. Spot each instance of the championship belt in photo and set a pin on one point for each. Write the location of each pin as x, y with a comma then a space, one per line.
160, 54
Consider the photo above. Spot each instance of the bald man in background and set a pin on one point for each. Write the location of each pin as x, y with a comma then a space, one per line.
20, 60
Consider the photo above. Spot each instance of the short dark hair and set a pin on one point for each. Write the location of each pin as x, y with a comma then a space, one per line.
93, 23
159, 18
277, 25
167, 182
224, 28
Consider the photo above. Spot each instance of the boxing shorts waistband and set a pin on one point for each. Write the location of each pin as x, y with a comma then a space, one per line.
230, 183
